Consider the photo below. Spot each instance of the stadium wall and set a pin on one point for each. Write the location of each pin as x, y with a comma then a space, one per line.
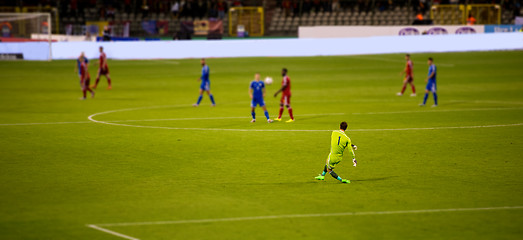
271, 47
372, 31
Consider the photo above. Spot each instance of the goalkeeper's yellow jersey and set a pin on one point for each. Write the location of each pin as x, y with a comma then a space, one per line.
339, 142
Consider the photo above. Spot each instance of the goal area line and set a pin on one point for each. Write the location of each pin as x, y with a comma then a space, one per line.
103, 226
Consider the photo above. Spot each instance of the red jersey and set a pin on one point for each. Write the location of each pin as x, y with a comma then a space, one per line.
103, 59
84, 71
408, 68
286, 81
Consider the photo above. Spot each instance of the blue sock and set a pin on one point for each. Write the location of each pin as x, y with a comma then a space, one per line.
323, 173
267, 115
339, 179
212, 99
199, 99
253, 115
425, 98
435, 99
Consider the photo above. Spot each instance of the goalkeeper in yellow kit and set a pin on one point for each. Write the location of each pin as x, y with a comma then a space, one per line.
339, 142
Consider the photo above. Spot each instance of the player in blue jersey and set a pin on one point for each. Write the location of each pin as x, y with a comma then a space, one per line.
257, 92
205, 85
431, 83
79, 65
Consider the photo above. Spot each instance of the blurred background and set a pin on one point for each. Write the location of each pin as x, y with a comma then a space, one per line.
127, 20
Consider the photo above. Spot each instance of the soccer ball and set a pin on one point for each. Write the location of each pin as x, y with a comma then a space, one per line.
268, 80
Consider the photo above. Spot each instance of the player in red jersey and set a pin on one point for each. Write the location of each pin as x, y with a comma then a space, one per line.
285, 96
85, 77
409, 77
103, 70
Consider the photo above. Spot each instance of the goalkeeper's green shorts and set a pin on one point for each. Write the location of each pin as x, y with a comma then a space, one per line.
333, 160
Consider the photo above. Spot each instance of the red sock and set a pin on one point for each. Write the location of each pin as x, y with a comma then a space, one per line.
403, 89
84, 92
413, 88
109, 81
281, 111
97, 80
290, 113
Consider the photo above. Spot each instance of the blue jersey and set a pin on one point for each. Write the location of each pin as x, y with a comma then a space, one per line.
205, 74
431, 83
257, 89
257, 93
432, 69
79, 64
206, 83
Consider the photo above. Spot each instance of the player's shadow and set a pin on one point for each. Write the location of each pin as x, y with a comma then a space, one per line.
316, 181
282, 183
308, 117
373, 179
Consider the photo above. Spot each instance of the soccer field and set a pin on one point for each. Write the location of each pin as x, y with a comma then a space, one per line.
139, 162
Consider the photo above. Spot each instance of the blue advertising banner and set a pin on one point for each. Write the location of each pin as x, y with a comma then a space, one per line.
150, 27
502, 28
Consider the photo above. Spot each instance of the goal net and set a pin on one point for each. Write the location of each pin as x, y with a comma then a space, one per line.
448, 14
485, 13
246, 20
452, 14
25, 27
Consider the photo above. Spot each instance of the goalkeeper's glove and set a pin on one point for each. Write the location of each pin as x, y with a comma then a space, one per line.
354, 147
354, 161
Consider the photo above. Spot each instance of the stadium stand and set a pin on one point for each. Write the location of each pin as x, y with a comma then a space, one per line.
282, 17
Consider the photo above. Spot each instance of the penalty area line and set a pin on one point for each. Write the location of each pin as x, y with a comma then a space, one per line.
111, 232
237, 219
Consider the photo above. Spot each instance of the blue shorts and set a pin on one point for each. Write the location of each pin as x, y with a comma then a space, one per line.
431, 86
256, 101
205, 86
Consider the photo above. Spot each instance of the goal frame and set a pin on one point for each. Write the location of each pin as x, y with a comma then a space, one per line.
25, 16
238, 13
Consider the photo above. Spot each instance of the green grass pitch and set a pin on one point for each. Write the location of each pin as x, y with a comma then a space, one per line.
152, 157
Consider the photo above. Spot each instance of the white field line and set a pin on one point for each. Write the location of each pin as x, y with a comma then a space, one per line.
91, 118
395, 60
445, 110
435, 128
215, 118
111, 232
45, 123
237, 219
305, 130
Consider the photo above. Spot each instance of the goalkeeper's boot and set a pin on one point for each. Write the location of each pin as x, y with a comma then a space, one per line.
320, 177
345, 181
277, 119
289, 121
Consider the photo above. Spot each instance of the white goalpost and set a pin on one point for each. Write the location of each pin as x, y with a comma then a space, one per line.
22, 27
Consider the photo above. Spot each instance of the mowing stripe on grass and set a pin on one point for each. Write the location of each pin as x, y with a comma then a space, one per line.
236, 219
